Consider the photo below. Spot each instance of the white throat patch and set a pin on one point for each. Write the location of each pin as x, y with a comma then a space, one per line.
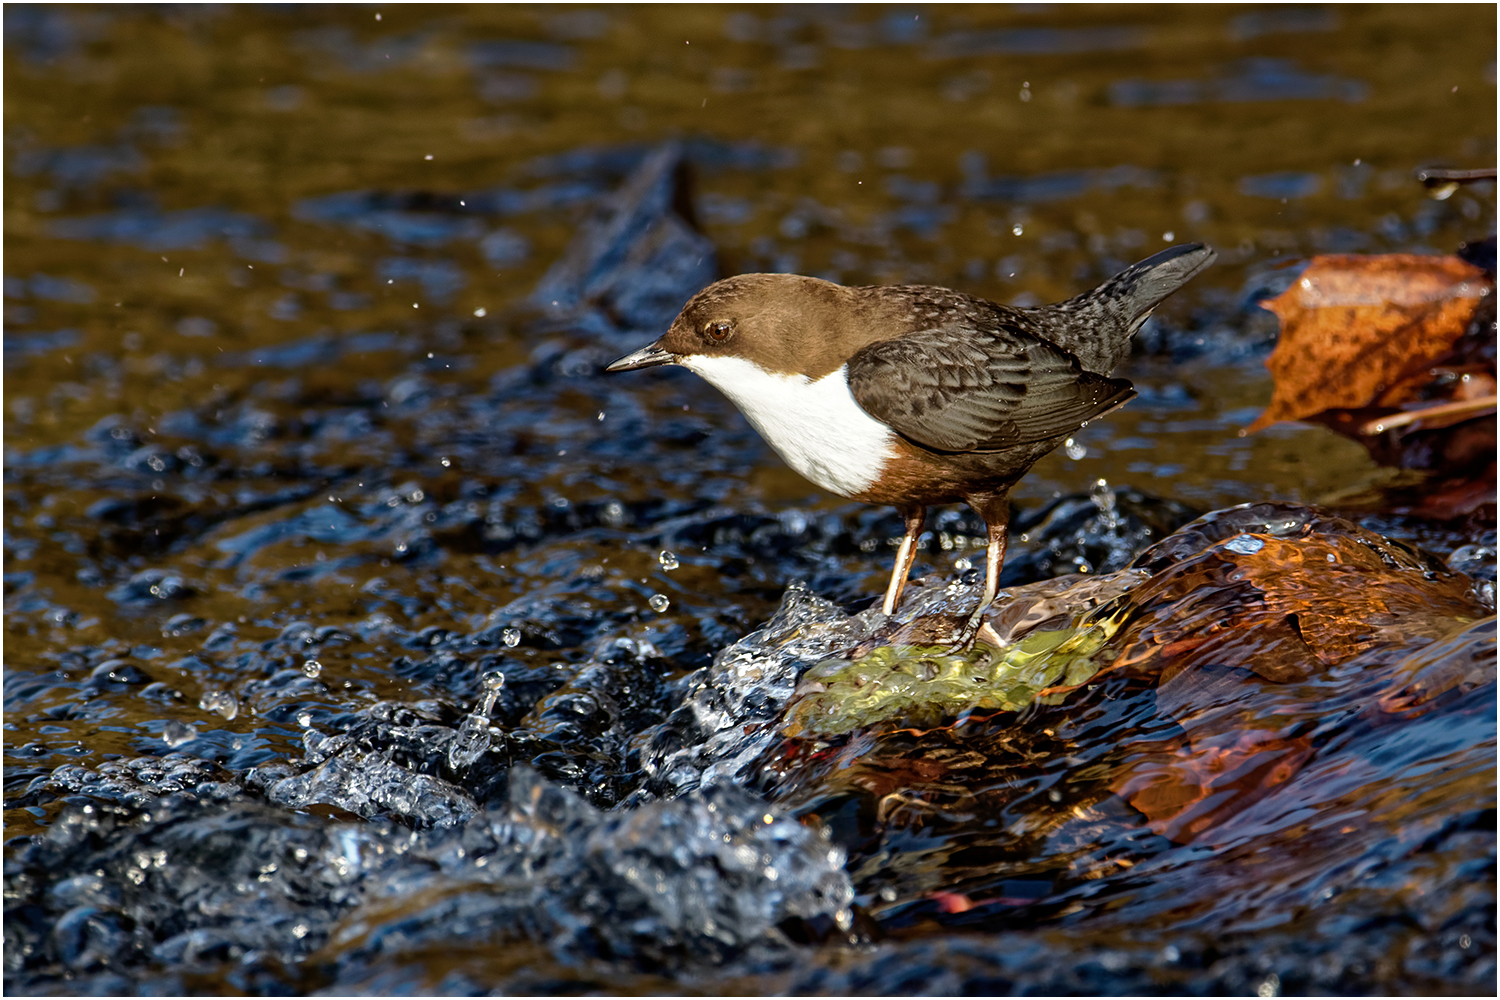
817, 427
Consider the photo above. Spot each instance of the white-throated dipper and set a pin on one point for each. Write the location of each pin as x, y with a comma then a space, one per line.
914, 395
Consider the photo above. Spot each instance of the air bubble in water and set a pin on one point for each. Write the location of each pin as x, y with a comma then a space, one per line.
511, 637
222, 702
312, 668
175, 734
668, 560
659, 603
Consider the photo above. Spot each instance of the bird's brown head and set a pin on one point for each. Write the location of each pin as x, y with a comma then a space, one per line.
784, 323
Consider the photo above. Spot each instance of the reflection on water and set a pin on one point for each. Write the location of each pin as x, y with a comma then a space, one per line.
304, 315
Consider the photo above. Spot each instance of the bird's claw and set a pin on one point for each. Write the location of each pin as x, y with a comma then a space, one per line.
977, 628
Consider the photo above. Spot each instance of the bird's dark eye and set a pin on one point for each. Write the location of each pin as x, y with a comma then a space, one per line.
718, 331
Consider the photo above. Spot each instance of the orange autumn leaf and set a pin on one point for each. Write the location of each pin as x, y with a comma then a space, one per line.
1359, 331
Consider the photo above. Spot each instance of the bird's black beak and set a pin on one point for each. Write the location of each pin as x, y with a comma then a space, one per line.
647, 357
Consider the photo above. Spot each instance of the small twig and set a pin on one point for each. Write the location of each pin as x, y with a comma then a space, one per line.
1433, 176
1441, 183
1467, 407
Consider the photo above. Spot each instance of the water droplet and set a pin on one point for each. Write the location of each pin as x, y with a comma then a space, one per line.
963, 565
312, 668
668, 560
1104, 500
1017, 229
1075, 450
304, 719
222, 702
659, 603
175, 734
493, 680
480, 312
511, 637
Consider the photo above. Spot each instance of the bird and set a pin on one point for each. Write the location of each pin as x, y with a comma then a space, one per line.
916, 395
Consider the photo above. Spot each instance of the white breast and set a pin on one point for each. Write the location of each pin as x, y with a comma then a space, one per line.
816, 426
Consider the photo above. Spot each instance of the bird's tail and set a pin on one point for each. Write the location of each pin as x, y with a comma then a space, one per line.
1100, 322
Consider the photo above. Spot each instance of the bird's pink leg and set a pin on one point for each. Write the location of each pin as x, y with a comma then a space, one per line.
996, 514
905, 555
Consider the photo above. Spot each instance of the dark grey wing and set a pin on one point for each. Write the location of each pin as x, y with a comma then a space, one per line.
955, 388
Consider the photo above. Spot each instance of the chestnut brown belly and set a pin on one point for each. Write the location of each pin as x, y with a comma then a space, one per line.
915, 476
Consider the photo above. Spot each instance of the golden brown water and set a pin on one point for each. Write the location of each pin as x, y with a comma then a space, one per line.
264, 336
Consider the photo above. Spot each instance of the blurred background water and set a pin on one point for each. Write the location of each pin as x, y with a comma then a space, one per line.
296, 398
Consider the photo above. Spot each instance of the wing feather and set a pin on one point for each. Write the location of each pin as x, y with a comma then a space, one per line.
956, 388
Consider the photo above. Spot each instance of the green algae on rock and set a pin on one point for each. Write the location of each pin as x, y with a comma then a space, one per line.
919, 686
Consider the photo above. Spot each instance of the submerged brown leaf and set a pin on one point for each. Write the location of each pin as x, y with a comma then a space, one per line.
1186, 792
1366, 331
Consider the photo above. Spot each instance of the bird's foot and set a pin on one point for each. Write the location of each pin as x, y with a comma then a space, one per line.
977, 629
931, 630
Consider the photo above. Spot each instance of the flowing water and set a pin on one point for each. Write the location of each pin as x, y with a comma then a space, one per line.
362, 636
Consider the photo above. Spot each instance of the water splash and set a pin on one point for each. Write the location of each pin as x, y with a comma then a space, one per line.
473, 737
